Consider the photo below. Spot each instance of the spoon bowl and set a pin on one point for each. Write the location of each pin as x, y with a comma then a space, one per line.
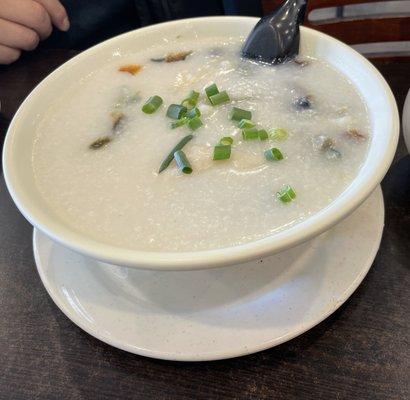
275, 38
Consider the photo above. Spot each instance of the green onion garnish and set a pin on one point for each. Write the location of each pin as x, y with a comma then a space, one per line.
195, 123
211, 90
152, 105
226, 140
263, 135
222, 152
245, 123
176, 111
273, 154
278, 134
238, 114
219, 98
179, 122
250, 134
193, 112
286, 195
191, 100
164, 165
182, 162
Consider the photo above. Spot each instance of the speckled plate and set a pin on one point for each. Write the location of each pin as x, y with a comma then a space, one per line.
216, 313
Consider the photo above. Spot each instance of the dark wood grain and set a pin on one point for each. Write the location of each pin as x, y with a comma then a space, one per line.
382, 28
377, 29
19, 79
360, 352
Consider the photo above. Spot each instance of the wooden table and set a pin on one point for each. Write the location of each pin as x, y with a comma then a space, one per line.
361, 352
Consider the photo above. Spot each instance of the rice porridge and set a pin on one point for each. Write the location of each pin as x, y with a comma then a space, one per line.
270, 146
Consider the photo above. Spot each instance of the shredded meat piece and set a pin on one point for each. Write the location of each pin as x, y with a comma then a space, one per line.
302, 62
117, 117
179, 56
356, 135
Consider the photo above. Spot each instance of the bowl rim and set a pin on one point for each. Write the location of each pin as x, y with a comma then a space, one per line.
313, 226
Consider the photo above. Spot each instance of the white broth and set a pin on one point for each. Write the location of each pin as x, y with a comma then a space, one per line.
114, 194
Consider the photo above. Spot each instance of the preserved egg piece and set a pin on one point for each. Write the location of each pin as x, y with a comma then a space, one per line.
100, 142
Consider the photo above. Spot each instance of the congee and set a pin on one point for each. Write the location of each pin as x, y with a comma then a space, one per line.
185, 146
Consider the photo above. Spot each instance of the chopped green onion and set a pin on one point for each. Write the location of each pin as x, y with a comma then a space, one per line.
176, 111
222, 152
152, 105
182, 162
191, 100
219, 98
226, 140
250, 134
195, 123
238, 114
273, 154
245, 123
278, 134
263, 135
164, 165
193, 112
179, 122
286, 195
211, 90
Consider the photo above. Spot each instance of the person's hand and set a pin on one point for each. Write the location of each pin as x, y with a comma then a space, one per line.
23, 23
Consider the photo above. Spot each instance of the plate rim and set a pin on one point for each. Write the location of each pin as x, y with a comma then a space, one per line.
220, 355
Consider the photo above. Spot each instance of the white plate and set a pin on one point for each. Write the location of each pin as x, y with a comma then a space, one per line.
217, 313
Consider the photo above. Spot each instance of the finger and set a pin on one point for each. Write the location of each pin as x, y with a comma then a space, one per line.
57, 13
17, 36
8, 55
28, 13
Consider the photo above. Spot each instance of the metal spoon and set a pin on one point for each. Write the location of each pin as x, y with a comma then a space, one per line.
275, 38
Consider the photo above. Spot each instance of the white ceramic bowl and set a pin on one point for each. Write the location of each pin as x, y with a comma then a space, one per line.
19, 141
406, 121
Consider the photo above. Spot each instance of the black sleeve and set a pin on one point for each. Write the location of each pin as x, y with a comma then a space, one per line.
93, 21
